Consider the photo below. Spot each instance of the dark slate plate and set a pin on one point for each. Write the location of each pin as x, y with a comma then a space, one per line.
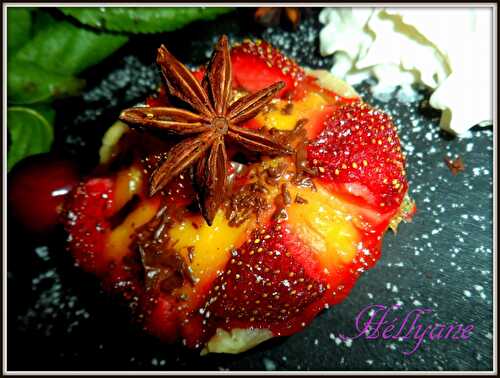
442, 261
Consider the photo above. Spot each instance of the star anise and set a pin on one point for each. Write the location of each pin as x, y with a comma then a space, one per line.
273, 16
215, 120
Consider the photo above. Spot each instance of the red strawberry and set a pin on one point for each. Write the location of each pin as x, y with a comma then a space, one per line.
265, 286
288, 270
161, 317
199, 73
86, 221
124, 278
359, 154
257, 65
160, 98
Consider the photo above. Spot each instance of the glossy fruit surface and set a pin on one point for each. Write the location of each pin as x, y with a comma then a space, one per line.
37, 187
359, 152
257, 64
292, 237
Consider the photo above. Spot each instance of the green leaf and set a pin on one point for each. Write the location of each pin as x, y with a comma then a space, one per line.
27, 83
42, 18
30, 133
46, 111
67, 49
142, 20
18, 28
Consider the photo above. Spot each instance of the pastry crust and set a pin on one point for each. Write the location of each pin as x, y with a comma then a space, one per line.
327, 80
236, 341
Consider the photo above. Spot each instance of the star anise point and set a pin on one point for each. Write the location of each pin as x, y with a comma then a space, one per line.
215, 119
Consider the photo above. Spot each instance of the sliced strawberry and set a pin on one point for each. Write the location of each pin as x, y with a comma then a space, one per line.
124, 279
255, 65
160, 98
264, 286
359, 154
179, 192
276, 277
192, 330
199, 73
160, 316
86, 221
258, 64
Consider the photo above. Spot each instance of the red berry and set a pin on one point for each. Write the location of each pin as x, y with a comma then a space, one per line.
87, 222
37, 187
160, 98
161, 318
359, 153
264, 285
257, 65
282, 275
199, 73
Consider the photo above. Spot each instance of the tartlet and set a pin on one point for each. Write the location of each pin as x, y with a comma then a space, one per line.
240, 200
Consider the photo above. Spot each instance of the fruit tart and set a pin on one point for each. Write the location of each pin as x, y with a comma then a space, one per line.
239, 200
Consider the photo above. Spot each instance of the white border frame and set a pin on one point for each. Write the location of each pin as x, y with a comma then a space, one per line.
494, 7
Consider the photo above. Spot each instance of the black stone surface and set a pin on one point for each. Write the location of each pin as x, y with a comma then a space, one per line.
442, 261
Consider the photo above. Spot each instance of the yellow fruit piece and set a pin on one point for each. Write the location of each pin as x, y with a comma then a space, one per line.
128, 183
119, 240
109, 147
211, 246
325, 223
281, 119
